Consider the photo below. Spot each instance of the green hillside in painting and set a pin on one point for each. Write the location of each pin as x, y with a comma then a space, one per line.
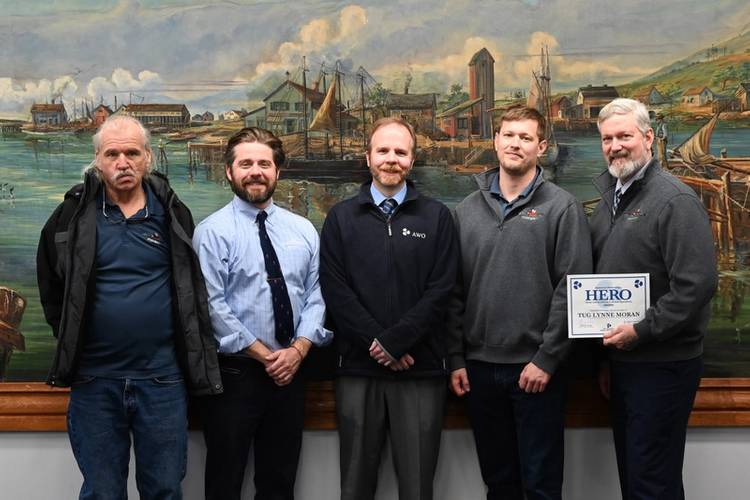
720, 67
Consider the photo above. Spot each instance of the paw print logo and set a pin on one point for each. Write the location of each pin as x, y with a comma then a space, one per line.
576, 285
405, 232
638, 283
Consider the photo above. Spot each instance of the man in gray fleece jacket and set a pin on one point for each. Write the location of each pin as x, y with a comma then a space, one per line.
520, 237
649, 221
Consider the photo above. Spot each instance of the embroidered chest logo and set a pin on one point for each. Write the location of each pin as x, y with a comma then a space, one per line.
632, 215
154, 239
413, 234
531, 214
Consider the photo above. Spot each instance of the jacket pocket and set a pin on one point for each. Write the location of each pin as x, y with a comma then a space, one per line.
61, 251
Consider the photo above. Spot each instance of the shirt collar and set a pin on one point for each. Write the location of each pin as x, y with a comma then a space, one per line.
152, 207
251, 210
378, 197
495, 186
639, 175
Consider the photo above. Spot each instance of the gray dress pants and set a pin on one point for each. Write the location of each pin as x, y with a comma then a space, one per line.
411, 410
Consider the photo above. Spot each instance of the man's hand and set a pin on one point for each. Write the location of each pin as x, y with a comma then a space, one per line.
604, 380
283, 364
378, 354
533, 379
622, 337
402, 364
460, 382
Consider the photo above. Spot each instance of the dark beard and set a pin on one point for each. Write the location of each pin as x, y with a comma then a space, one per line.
244, 195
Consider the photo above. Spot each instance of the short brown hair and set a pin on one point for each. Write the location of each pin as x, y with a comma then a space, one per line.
520, 112
394, 120
255, 134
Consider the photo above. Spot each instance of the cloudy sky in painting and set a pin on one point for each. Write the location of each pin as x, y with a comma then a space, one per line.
228, 55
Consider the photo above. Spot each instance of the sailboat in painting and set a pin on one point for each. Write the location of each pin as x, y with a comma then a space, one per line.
540, 98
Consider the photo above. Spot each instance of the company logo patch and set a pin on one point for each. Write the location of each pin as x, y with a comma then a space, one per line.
531, 214
634, 214
413, 234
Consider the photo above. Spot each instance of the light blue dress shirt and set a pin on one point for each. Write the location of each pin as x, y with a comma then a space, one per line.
378, 197
239, 298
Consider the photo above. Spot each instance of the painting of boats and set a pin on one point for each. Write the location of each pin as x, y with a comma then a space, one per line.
336, 67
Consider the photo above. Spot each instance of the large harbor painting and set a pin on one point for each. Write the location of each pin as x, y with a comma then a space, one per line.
319, 73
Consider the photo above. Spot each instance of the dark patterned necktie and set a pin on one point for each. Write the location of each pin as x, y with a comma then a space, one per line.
387, 206
616, 200
283, 316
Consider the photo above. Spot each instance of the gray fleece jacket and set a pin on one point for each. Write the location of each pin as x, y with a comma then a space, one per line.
510, 303
661, 228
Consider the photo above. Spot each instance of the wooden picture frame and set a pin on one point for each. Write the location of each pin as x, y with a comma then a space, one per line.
720, 402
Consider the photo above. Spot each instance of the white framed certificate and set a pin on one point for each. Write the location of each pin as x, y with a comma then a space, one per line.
598, 302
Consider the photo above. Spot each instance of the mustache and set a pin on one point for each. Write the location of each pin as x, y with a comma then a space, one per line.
619, 154
125, 173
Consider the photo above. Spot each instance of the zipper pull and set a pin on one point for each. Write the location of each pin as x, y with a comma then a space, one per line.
389, 228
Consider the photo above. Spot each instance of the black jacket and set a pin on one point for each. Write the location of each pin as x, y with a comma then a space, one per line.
388, 280
661, 228
65, 263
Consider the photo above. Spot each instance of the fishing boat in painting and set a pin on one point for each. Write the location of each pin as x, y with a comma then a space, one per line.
540, 98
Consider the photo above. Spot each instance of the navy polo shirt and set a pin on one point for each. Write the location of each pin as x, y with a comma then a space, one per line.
505, 205
129, 331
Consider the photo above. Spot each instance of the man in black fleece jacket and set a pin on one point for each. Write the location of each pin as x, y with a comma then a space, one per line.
520, 237
388, 263
649, 221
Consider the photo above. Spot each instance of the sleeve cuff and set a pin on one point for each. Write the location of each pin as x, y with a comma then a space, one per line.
390, 356
456, 361
546, 362
644, 332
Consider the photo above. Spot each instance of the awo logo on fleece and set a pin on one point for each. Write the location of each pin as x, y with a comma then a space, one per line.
414, 234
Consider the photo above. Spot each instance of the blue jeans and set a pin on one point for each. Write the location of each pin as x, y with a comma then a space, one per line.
519, 436
103, 413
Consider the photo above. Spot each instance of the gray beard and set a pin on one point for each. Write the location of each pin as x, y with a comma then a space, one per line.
628, 169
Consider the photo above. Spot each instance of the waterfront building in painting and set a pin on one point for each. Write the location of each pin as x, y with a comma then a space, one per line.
49, 114
100, 114
651, 96
158, 115
235, 114
698, 96
591, 99
743, 96
207, 116
560, 108
463, 120
283, 113
482, 86
417, 109
474, 116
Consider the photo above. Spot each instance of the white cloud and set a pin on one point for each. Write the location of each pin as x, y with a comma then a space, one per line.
18, 96
122, 80
321, 38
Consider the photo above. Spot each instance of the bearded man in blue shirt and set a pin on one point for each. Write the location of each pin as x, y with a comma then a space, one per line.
260, 263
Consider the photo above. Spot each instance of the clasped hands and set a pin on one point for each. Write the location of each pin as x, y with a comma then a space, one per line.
382, 357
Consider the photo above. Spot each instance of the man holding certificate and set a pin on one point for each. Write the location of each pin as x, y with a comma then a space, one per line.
649, 222
520, 237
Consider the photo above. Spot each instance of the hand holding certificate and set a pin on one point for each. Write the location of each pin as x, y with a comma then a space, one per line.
599, 302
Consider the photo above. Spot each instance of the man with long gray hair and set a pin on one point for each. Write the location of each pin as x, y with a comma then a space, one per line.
123, 292
649, 222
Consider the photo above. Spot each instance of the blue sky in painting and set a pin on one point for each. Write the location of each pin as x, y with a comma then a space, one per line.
225, 55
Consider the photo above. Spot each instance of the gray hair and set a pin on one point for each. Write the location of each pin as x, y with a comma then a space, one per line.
624, 106
116, 122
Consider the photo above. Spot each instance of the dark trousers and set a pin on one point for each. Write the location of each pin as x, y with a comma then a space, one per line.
411, 410
252, 410
651, 404
519, 436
